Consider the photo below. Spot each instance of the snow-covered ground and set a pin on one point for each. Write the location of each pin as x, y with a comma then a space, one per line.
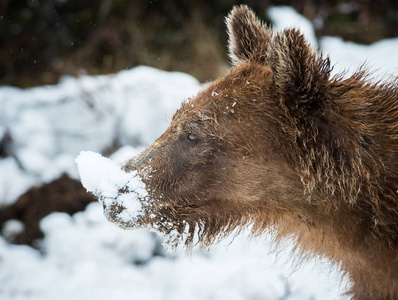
85, 256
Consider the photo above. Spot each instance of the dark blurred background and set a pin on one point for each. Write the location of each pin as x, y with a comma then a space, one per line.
42, 40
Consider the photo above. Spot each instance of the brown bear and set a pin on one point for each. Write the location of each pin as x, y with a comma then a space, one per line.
281, 143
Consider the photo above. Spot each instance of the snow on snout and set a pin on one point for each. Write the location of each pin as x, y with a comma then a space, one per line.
122, 194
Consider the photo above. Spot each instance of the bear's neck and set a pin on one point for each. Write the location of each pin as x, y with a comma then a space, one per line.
342, 236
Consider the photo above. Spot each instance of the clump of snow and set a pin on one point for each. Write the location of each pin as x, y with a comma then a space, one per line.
105, 179
123, 195
100, 175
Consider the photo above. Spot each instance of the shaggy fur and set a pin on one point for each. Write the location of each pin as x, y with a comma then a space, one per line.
279, 143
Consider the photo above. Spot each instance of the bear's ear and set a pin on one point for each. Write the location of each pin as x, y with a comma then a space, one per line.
301, 75
248, 37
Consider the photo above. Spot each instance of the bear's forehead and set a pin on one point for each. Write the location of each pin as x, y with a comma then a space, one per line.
224, 95
208, 102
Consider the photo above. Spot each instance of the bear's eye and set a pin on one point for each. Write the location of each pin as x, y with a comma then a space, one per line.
191, 137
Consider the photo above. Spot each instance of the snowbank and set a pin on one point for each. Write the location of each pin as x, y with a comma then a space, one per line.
380, 58
50, 125
87, 257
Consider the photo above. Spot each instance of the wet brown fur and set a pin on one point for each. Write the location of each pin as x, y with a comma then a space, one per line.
282, 144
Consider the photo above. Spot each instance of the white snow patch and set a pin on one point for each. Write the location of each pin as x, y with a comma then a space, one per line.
13, 181
12, 228
380, 58
50, 125
123, 154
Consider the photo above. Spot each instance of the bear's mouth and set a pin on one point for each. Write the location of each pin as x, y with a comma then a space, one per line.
126, 209
125, 198
123, 195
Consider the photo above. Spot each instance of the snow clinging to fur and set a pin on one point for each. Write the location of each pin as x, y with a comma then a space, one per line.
105, 179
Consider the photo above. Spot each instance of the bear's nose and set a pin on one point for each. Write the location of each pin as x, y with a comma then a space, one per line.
131, 165
138, 162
